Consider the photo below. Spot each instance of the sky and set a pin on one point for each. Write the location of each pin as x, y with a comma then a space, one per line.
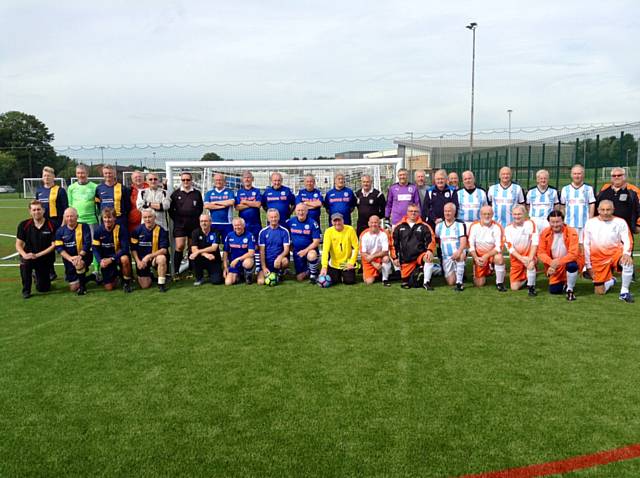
122, 72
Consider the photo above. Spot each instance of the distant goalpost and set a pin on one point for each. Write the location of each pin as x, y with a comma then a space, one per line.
383, 172
29, 186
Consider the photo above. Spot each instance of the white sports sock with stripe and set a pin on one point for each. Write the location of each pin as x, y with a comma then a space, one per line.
627, 277
572, 278
609, 284
428, 270
531, 277
386, 270
501, 271
459, 272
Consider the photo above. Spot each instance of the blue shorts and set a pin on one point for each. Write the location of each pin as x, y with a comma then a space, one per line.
110, 273
222, 230
300, 263
237, 270
70, 274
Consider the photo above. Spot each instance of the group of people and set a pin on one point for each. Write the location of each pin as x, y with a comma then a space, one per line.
403, 234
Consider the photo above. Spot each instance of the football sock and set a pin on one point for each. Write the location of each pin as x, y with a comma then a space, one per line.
162, 280
531, 277
386, 270
572, 278
256, 261
459, 272
609, 284
627, 276
177, 260
500, 273
428, 270
313, 267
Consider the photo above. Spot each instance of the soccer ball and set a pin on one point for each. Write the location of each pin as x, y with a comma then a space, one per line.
271, 280
324, 281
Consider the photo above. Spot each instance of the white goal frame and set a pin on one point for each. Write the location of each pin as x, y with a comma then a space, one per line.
59, 181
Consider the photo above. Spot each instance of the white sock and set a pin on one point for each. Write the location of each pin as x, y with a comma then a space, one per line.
501, 271
386, 270
428, 270
459, 272
627, 275
609, 284
531, 277
162, 280
572, 278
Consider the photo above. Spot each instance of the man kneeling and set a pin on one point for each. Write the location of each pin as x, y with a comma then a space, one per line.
73, 243
111, 250
150, 245
205, 252
374, 251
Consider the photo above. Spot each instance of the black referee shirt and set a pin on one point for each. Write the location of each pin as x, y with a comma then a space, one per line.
625, 204
369, 205
202, 240
36, 239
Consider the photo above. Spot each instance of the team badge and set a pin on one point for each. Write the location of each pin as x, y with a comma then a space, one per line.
315, 195
306, 226
447, 194
370, 201
346, 194
194, 203
283, 193
245, 240
410, 189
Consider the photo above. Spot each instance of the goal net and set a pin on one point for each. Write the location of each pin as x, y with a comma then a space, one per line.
29, 186
383, 172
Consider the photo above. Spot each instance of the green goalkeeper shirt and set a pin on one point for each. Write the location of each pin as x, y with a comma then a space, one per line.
82, 198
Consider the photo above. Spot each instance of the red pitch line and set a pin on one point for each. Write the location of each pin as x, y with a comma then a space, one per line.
565, 466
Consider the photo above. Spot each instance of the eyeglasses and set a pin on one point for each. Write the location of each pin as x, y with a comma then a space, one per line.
186, 180
152, 179
617, 175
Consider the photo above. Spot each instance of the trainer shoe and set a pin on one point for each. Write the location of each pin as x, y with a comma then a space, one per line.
627, 297
52, 276
248, 279
198, 283
500, 287
570, 295
82, 290
427, 286
532, 291
127, 287
162, 287
459, 287
386, 283
405, 285
26, 294
313, 280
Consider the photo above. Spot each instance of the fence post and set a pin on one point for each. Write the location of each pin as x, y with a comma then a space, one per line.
558, 166
595, 179
517, 161
496, 161
622, 149
529, 168
487, 169
544, 146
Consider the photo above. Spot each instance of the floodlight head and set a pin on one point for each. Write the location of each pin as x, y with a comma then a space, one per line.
472, 26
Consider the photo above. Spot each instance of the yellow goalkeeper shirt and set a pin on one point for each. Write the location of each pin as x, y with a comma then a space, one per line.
339, 247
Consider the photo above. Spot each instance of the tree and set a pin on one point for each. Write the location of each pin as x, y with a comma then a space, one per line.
27, 139
211, 157
8, 169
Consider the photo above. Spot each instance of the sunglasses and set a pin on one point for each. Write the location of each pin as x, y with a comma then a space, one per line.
617, 175
152, 179
186, 180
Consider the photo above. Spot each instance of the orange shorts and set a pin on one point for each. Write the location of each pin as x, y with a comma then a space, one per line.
603, 269
518, 271
407, 269
484, 271
368, 271
560, 276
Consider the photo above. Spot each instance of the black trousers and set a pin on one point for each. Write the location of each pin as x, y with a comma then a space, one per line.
41, 267
342, 275
214, 268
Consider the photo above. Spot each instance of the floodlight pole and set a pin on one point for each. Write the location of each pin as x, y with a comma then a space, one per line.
410, 133
509, 147
472, 26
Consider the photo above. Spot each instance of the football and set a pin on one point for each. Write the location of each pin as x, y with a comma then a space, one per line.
271, 280
324, 281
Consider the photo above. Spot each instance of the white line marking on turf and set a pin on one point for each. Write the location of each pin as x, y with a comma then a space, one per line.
7, 235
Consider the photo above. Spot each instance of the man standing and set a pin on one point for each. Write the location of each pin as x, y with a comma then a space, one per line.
248, 204
73, 243
625, 200
311, 197
503, 196
156, 198
453, 181
274, 241
137, 185
185, 209
452, 236
400, 195
578, 200
150, 246
420, 178
437, 196
541, 200
278, 197
110, 193
35, 244
470, 200
220, 201
239, 253
205, 252
370, 202
415, 245
521, 237
340, 252
375, 244
340, 199
305, 238
52, 197
559, 251
486, 241
608, 247
82, 197
111, 250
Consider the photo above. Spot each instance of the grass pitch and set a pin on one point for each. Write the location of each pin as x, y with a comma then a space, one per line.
300, 381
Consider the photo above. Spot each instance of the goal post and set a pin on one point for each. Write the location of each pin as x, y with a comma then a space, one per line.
383, 172
29, 186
